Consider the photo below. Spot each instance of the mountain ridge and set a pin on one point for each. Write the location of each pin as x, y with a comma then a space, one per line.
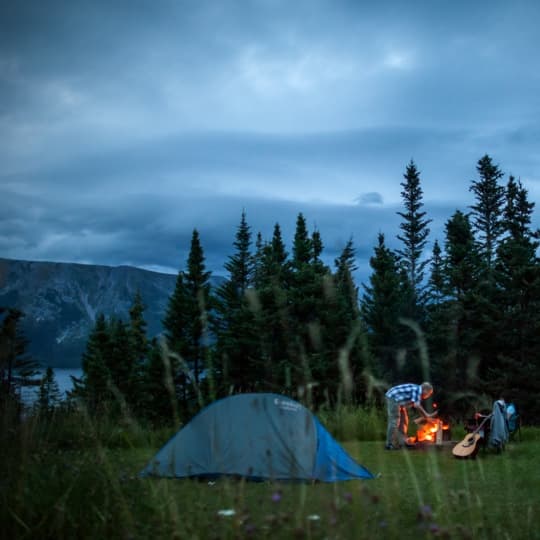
61, 301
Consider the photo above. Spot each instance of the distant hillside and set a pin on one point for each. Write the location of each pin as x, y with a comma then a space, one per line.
61, 301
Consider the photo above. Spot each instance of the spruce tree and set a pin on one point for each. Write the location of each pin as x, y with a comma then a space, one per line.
515, 371
440, 326
462, 269
17, 367
436, 286
160, 399
139, 348
176, 320
487, 210
237, 348
381, 308
258, 260
120, 362
185, 323
49, 396
462, 265
344, 280
95, 384
414, 238
176, 325
309, 307
197, 283
138, 328
486, 221
304, 287
345, 330
273, 318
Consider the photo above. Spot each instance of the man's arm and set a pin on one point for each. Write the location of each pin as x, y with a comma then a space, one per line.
423, 411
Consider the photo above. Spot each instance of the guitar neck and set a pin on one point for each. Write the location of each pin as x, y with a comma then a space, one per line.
481, 424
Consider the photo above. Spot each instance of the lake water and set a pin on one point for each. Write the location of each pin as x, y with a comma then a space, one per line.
63, 378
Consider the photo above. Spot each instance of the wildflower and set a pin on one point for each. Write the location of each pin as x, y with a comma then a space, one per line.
425, 513
227, 512
314, 517
347, 496
250, 529
276, 496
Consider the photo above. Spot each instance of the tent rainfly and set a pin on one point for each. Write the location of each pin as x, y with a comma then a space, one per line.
257, 437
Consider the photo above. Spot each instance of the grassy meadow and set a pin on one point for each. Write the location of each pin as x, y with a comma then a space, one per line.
73, 477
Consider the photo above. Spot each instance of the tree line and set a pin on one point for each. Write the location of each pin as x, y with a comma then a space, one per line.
465, 315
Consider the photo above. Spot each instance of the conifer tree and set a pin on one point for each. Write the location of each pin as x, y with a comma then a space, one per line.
120, 362
436, 303
160, 397
414, 237
185, 322
486, 221
462, 271
49, 396
273, 321
436, 287
17, 367
515, 370
304, 290
345, 330
258, 261
95, 384
139, 348
138, 328
120, 357
176, 325
308, 309
197, 282
344, 279
487, 211
237, 347
462, 262
176, 320
381, 308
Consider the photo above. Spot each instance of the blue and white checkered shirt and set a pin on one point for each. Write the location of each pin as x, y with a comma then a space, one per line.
405, 394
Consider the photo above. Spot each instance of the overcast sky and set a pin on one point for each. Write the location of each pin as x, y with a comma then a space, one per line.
124, 125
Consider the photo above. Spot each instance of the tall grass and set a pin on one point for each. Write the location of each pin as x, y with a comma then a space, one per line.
71, 476
351, 423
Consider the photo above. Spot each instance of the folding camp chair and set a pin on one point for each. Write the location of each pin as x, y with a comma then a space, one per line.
493, 433
499, 432
513, 421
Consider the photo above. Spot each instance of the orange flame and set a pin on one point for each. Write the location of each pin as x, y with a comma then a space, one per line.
428, 432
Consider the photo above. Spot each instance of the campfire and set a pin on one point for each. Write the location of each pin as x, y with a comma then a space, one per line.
430, 431
433, 430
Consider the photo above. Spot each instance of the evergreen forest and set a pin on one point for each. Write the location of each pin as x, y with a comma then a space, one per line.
461, 311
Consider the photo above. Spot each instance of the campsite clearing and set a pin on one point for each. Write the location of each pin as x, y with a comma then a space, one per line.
420, 494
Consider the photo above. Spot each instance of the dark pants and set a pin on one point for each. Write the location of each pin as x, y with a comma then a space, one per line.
398, 423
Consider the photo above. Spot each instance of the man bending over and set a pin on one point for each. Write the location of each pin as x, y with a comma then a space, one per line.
398, 400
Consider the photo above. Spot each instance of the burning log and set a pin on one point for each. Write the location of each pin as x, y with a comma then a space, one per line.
431, 430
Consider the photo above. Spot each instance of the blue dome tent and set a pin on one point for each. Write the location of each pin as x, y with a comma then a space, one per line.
258, 437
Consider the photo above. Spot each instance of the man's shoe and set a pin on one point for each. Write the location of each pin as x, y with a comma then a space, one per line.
391, 447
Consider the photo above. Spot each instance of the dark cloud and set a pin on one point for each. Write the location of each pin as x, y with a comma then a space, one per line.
370, 198
124, 126
155, 231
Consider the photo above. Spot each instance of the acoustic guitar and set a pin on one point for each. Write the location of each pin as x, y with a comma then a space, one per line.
468, 447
